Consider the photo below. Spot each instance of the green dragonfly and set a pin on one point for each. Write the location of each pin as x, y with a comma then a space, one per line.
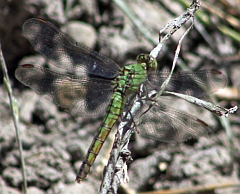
93, 84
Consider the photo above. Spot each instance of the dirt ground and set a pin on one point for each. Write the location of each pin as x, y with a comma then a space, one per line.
55, 143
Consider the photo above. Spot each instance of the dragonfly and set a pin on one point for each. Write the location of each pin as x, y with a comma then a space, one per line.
87, 83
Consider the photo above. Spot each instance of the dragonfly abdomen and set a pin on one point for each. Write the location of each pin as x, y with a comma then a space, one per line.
113, 113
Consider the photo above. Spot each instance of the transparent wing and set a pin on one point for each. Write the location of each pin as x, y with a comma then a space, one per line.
65, 53
163, 123
197, 84
82, 95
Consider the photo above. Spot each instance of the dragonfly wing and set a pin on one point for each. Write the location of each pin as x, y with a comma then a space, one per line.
163, 123
64, 52
197, 84
70, 93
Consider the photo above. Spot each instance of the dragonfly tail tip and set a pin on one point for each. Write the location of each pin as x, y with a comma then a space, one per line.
78, 180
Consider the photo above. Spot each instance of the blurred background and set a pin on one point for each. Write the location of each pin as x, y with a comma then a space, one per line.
55, 143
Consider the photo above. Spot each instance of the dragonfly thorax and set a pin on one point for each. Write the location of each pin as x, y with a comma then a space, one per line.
130, 76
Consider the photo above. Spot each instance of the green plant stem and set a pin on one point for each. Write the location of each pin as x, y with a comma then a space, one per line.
14, 108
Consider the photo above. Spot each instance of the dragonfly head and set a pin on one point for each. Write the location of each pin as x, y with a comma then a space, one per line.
151, 63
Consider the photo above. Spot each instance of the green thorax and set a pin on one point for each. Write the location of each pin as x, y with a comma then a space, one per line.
131, 76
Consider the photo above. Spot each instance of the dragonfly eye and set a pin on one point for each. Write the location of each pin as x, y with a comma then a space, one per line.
152, 64
142, 58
